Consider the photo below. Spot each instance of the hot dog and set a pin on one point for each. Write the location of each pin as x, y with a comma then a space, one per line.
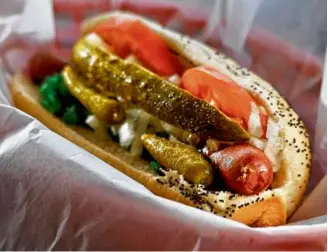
170, 112
244, 168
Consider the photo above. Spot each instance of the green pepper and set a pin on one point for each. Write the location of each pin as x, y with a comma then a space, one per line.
105, 109
180, 157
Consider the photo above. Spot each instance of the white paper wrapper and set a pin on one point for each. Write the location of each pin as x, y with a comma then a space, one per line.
54, 195
58, 196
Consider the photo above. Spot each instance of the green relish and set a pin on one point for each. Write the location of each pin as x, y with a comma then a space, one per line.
55, 98
156, 167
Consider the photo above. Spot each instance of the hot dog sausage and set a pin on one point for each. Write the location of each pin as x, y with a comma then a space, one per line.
244, 168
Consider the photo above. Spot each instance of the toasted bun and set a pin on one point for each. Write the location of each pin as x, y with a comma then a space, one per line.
269, 208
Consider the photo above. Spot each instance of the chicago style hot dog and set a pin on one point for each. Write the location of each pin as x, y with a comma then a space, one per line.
185, 121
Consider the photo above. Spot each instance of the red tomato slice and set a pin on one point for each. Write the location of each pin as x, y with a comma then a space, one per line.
225, 94
132, 36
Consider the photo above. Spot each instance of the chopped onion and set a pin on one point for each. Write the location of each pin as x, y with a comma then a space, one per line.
273, 130
274, 145
254, 122
175, 79
131, 58
114, 129
97, 125
258, 143
126, 133
136, 148
126, 130
212, 103
272, 154
92, 121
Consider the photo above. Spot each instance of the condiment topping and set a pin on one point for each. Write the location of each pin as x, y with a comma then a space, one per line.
106, 72
105, 109
132, 36
56, 98
221, 91
180, 157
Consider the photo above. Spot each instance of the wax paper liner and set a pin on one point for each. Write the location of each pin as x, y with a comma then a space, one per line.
58, 196
55, 195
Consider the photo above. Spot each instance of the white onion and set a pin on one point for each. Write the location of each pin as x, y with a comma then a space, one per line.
92, 121
273, 130
175, 79
273, 155
114, 129
254, 122
94, 39
258, 143
126, 133
136, 148
131, 58
97, 125
274, 145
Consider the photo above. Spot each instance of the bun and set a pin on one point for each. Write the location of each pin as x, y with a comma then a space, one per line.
269, 208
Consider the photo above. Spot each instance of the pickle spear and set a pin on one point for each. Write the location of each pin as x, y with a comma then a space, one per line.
105, 109
104, 71
180, 157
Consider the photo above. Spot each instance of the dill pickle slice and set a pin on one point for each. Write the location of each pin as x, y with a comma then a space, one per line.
105, 109
180, 157
104, 71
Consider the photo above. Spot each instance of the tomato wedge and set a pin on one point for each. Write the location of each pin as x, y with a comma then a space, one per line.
222, 92
132, 36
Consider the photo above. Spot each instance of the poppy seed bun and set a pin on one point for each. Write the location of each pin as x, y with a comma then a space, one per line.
269, 208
